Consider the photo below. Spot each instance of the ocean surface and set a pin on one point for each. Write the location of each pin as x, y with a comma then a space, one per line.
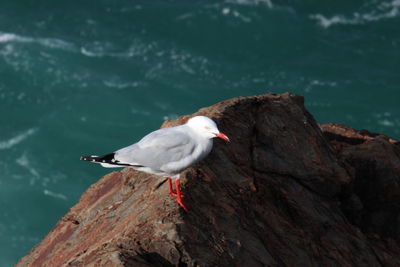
89, 77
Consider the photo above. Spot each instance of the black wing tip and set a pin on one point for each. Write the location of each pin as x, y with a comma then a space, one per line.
88, 158
109, 159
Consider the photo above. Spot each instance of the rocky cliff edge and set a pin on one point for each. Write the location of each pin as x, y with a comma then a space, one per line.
284, 192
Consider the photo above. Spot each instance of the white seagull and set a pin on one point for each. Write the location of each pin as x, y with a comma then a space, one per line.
167, 152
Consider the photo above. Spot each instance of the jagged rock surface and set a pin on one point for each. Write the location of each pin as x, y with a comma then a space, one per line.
281, 193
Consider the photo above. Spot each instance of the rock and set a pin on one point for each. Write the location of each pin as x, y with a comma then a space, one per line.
373, 202
281, 193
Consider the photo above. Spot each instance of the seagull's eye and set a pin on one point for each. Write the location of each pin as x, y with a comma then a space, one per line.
207, 128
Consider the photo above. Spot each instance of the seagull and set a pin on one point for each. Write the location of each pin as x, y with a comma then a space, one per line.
167, 152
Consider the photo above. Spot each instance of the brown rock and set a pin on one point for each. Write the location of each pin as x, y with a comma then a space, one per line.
373, 201
281, 193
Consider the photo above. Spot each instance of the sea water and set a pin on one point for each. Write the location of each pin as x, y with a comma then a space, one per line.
89, 77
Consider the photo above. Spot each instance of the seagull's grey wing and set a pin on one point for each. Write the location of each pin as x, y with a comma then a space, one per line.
158, 149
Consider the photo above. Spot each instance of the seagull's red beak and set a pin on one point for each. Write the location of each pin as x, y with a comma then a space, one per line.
222, 136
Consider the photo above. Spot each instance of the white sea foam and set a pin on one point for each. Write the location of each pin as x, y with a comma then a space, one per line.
11, 37
55, 195
386, 119
99, 49
7, 37
56, 44
227, 11
23, 161
317, 83
47, 42
7, 144
385, 10
109, 49
185, 67
120, 84
152, 72
172, 59
268, 3
88, 53
386, 122
185, 16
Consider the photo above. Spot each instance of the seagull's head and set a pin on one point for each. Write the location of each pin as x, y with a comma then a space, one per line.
205, 127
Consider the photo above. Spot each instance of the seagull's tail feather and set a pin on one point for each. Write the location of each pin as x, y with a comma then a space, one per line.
106, 158
108, 161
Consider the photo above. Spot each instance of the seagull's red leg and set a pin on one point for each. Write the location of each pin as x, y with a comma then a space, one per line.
180, 196
171, 190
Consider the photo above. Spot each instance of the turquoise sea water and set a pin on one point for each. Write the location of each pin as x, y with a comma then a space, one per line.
88, 77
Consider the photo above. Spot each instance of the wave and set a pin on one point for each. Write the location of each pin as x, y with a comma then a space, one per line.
386, 10
94, 49
318, 83
53, 43
386, 122
227, 11
23, 161
54, 194
107, 49
113, 83
17, 139
101, 52
267, 3
7, 37
386, 119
